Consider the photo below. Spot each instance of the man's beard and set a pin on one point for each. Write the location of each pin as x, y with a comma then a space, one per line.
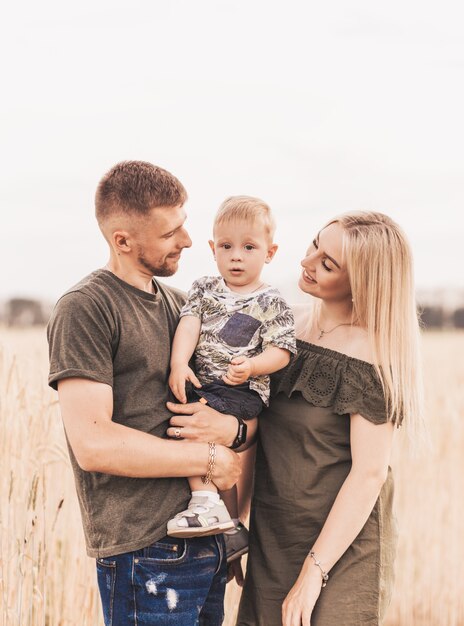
155, 270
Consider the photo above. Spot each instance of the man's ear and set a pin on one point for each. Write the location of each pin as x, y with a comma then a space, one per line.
271, 252
211, 245
122, 241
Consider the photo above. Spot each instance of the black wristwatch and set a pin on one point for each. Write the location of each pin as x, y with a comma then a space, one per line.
241, 433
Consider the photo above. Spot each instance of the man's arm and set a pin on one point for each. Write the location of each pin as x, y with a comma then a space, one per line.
101, 445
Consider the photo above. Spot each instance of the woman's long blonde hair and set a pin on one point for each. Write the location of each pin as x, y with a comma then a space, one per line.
380, 269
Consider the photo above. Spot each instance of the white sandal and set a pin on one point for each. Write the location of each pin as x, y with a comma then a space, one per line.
202, 517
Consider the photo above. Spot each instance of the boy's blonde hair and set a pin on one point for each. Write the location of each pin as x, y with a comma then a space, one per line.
380, 270
245, 208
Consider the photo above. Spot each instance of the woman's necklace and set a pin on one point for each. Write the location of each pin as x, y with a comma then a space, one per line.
323, 332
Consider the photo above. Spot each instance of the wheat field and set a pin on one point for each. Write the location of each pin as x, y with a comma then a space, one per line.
47, 580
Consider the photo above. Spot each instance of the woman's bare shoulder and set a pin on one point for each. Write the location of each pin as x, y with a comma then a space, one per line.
302, 315
357, 345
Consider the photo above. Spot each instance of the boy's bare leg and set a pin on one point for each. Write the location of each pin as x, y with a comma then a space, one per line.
230, 498
196, 484
238, 501
245, 483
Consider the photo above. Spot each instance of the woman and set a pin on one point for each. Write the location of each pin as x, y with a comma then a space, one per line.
322, 532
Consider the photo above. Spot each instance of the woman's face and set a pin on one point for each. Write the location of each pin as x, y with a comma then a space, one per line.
324, 272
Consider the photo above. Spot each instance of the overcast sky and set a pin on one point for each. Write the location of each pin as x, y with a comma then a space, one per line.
318, 108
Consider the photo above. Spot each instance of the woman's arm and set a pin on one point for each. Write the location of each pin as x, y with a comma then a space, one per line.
370, 450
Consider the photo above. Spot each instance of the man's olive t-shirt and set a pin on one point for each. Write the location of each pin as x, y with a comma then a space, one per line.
105, 330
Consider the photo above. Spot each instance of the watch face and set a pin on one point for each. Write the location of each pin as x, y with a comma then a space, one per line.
242, 432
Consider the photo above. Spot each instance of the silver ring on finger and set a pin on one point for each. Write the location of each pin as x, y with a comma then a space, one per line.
177, 433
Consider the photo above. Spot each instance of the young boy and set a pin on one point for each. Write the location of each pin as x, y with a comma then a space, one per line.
240, 330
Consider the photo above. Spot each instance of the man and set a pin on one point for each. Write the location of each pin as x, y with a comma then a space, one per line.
109, 339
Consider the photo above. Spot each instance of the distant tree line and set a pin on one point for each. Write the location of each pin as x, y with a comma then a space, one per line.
22, 312
433, 317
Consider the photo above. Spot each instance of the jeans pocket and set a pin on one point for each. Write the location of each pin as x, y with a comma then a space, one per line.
168, 550
106, 577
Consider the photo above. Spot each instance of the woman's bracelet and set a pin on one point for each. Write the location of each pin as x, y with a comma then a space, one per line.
325, 576
211, 463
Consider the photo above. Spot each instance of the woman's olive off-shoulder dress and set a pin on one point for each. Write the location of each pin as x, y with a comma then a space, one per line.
303, 457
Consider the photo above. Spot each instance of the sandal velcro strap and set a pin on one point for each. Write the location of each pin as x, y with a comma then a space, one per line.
196, 521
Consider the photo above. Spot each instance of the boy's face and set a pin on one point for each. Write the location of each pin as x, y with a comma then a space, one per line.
241, 248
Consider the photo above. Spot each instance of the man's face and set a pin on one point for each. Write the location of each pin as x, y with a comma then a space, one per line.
159, 241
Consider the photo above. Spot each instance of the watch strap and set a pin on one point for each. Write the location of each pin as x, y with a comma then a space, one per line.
241, 436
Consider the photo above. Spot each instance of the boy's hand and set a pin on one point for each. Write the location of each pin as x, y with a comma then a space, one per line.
240, 370
179, 374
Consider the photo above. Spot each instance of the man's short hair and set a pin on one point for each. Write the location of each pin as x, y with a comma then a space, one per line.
246, 208
136, 187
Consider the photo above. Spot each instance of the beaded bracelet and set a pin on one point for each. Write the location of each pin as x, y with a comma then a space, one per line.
211, 462
325, 576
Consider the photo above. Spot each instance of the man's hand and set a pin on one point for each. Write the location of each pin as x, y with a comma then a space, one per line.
239, 371
198, 422
180, 374
227, 468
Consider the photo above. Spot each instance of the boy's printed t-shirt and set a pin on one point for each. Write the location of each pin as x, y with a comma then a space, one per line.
237, 324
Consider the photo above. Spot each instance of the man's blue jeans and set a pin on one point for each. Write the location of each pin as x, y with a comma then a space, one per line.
173, 582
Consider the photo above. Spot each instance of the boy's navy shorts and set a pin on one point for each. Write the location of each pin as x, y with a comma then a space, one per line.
238, 400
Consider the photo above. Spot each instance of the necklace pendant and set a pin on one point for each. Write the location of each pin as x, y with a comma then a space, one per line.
321, 334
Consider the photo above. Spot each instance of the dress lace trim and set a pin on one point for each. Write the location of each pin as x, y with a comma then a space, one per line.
327, 378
